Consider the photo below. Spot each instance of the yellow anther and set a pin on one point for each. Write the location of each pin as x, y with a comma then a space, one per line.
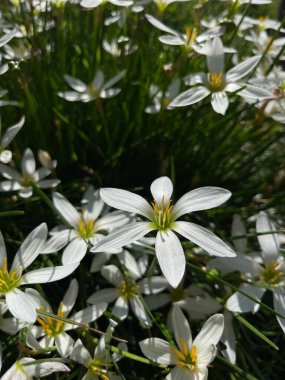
51, 326
215, 81
86, 227
9, 281
162, 215
183, 346
187, 359
127, 290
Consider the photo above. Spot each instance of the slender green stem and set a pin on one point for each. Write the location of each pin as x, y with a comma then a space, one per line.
7, 214
245, 375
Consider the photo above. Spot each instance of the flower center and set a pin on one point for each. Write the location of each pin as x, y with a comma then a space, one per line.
162, 215
271, 275
127, 290
93, 90
216, 81
186, 358
95, 366
27, 180
86, 227
9, 281
52, 327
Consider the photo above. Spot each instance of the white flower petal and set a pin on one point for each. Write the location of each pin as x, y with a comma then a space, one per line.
153, 285
75, 251
123, 236
130, 263
87, 315
113, 220
268, 243
279, 305
90, 3
28, 163
158, 350
48, 183
181, 327
99, 260
139, 311
65, 208
242, 69
215, 56
26, 192
120, 309
41, 276
30, 248
9, 173
242, 304
202, 198
238, 228
11, 133
126, 201
220, 102
104, 295
47, 368
58, 241
191, 96
229, 339
94, 202
169, 39
64, 344
9, 186
3, 253
70, 96
156, 301
170, 256
204, 239
158, 24
70, 297
180, 373
114, 80
112, 274
75, 84
161, 190
80, 354
19, 305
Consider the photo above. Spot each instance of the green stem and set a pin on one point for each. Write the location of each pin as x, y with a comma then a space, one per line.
245, 375
6, 214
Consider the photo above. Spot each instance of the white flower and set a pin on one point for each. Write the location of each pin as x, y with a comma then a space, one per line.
53, 331
19, 303
162, 216
191, 358
126, 288
217, 83
24, 369
9, 325
163, 4
7, 37
98, 366
29, 175
95, 3
96, 89
6, 155
86, 226
266, 272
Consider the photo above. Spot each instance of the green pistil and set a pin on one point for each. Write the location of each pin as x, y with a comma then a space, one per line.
162, 218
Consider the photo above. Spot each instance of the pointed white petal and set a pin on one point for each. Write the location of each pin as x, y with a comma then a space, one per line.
94, 202
220, 102
75, 84
113, 220
65, 208
11, 133
268, 243
64, 344
80, 354
156, 301
215, 56
99, 260
204, 239
87, 315
241, 304
255, 93
47, 368
28, 162
153, 285
180, 373
210, 334
130, 263
242, 69
126, 201
75, 251
70, 297
139, 311
48, 183
170, 256
90, 3
41, 276
169, 39
114, 80
104, 295
158, 24
58, 241
70, 96
120, 309
112, 274
191, 96
7, 37
19, 305
202, 198
30, 248
279, 305
9, 186
229, 339
238, 228
26, 192
9, 173
123, 236
3, 253
161, 190
181, 327
158, 350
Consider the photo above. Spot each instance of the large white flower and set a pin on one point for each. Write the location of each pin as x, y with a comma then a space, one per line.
23, 182
52, 331
190, 357
95, 3
162, 216
267, 271
217, 83
18, 302
6, 155
86, 225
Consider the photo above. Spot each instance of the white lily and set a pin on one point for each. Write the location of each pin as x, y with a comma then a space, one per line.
96, 89
163, 217
86, 226
6, 155
28, 369
98, 365
95, 3
217, 83
268, 272
190, 357
19, 303
126, 289
22, 181
52, 331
